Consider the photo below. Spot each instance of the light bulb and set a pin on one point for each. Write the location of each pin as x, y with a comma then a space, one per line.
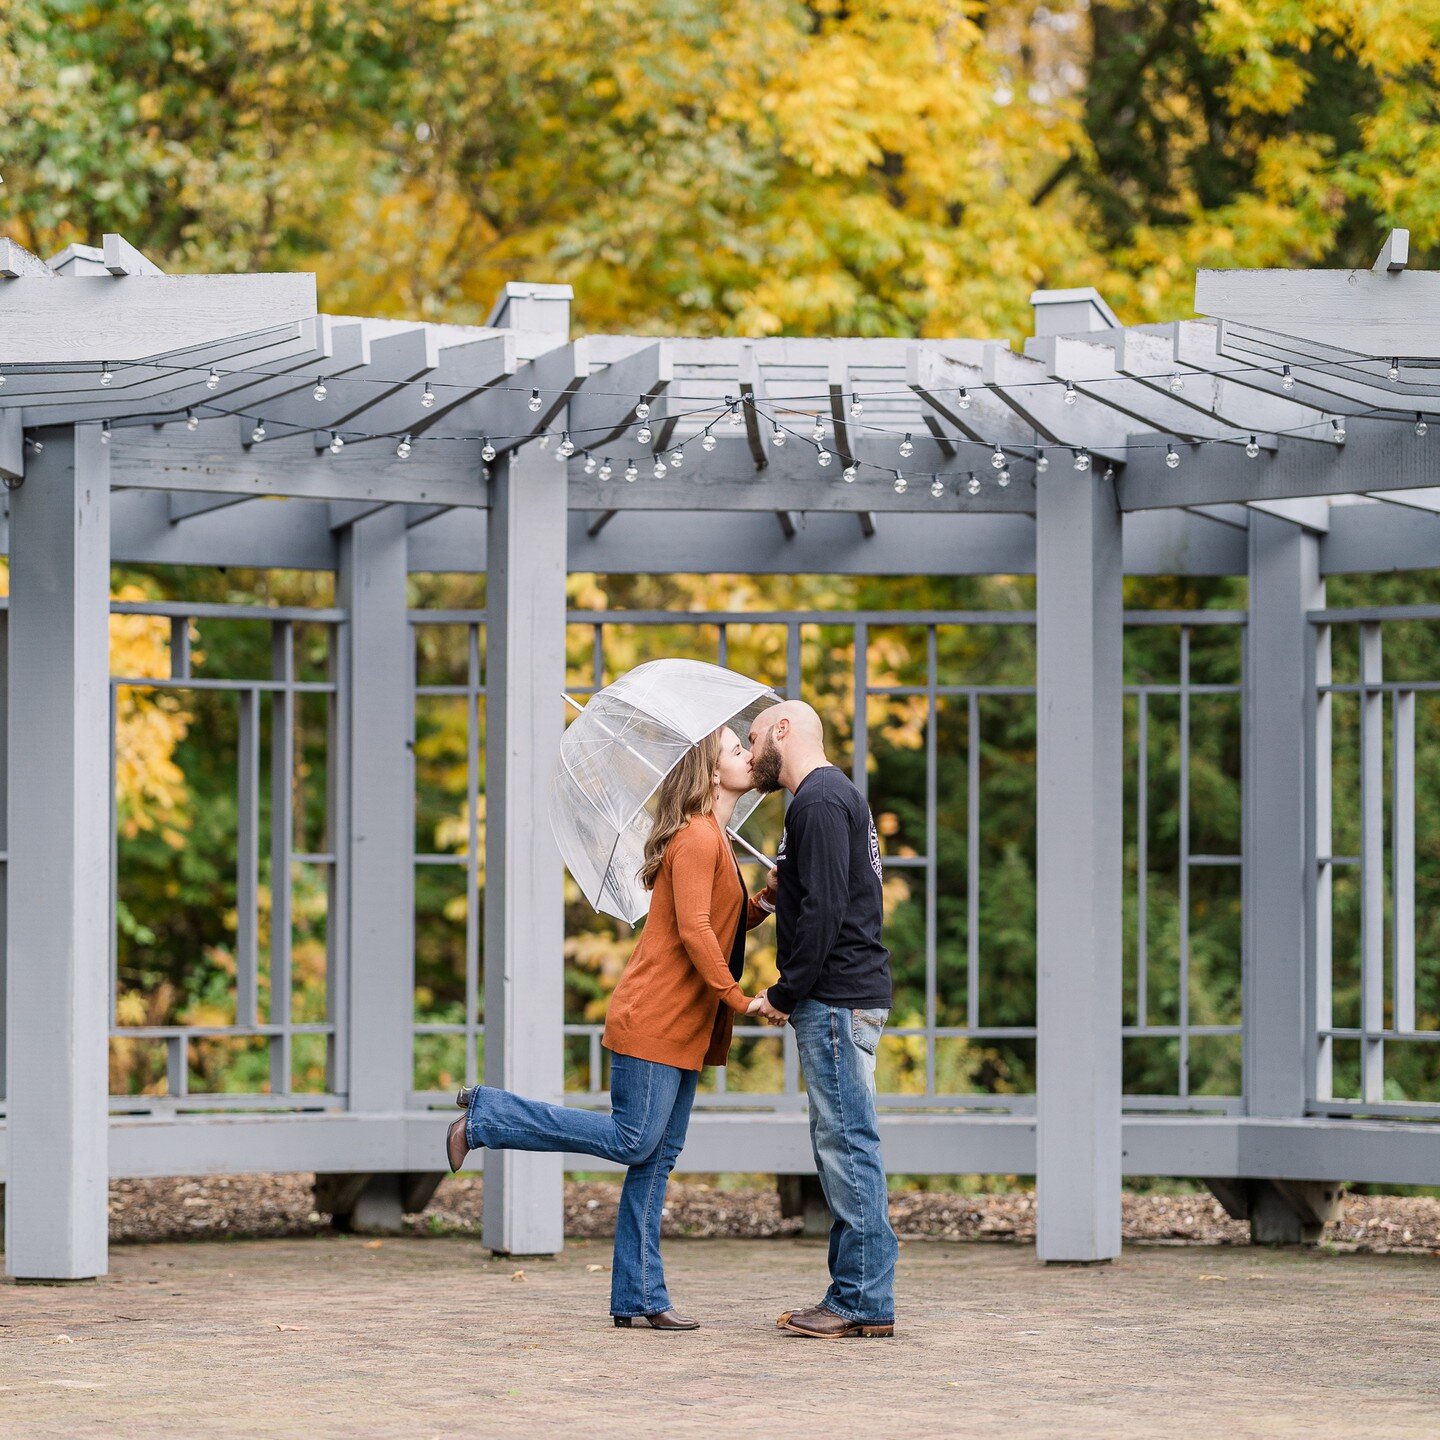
1338, 426
707, 441
107, 376
427, 396
1082, 460
1287, 380
997, 460
590, 463
777, 435
534, 401
907, 448
1393, 373
105, 433
964, 400
659, 471
37, 445
320, 392
1070, 395
1003, 478
973, 483
642, 410
937, 487
901, 484
2, 382
337, 444
1177, 383
848, 474
258, 433
545, 441
1171, 458
192, 420
606, 469
817, 430
487, 451
403, 448
822, 457
677, 458
631, 473
567, 445
212, 379
734, 417
1252, 447
857, 409
643, 434
1420, 426
1042, 463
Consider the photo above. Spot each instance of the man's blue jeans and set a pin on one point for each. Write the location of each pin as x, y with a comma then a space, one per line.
645, 1130
837, 1055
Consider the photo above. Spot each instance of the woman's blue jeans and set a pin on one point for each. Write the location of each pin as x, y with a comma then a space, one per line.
645, 1130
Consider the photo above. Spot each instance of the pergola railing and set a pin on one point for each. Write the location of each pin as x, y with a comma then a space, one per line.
145, 417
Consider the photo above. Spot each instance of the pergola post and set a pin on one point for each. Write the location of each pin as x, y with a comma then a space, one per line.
1080, 789
380, 802
524, 892
59, 912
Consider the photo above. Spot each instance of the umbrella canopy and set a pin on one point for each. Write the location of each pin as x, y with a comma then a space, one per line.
614, 755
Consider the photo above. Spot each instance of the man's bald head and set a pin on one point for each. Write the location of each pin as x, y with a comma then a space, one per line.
787, 741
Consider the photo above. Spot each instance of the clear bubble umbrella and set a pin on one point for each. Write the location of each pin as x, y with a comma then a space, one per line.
615, 753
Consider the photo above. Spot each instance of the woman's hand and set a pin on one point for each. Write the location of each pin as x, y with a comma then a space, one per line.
772, 885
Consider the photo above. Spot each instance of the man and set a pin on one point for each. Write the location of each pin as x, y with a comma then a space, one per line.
834, 988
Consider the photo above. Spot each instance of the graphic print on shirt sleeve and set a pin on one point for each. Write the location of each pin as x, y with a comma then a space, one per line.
875, 852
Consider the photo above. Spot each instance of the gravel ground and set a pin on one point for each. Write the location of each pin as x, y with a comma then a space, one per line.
283, 1205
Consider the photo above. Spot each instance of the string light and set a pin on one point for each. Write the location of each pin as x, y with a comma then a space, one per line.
1082, 460
590, 463
1042, 462
707, 441
1177, 383
427, 397
320, 392
567, 446
1287, 380
606, 468
901, 484
963, 400
822, 457
631, 473
733, 415
212, 379
107, 376
677, 458
643, 434
937, 487
857, 408
1172, 459
104, 432
659, 471
36, 445
545, 441
848, 474
258, 433
403, 448
2, 382
642, 409
973, 483
1420, 426
192, 420
1393, 373
1003, 478
1071, 396
997, 460
487, 451
817, 430
337, 443
907, 448
1338, 426
777, 435
1252, 447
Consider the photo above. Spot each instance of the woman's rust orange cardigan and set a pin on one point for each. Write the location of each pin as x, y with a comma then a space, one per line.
676, 1002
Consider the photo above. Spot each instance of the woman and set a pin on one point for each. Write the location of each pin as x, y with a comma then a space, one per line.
671, 1014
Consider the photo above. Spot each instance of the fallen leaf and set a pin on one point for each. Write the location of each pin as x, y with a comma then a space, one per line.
289, 1327
518, 1275
1212, 1277
373, 1244
593, 1268
62, 1340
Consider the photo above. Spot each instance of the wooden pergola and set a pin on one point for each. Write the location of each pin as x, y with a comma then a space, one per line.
220, 420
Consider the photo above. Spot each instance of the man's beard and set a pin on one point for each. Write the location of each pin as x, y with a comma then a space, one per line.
765, 766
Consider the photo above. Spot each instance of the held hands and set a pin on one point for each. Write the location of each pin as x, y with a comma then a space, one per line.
772, 882
761, 1006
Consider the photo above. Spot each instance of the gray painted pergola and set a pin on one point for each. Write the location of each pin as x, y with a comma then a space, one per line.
144, 417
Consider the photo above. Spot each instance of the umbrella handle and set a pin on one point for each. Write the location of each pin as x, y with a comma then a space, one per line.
734, 835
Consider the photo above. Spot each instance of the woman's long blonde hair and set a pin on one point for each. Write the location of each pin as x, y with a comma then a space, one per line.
689, 789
